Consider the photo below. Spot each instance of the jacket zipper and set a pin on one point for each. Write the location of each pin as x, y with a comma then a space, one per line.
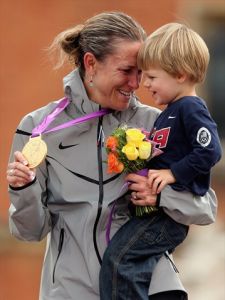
61, 239
101, 191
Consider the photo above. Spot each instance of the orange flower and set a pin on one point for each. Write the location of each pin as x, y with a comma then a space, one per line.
111, 143
114, 165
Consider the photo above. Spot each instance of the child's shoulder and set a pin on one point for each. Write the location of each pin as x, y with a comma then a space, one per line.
191, 103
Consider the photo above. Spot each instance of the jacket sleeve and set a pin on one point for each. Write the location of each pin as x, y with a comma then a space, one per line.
165, 276
29, 218
186, 208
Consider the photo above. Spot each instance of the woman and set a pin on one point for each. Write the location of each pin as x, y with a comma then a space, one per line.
69, 195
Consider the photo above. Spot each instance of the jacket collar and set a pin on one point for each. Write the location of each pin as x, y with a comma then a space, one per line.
75, 91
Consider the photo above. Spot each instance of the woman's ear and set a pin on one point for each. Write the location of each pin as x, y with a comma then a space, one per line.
89, 62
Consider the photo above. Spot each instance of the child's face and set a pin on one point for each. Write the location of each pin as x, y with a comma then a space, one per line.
163, 87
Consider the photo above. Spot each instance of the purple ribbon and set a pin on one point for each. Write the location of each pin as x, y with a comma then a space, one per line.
41, 128
109, 223
143, 172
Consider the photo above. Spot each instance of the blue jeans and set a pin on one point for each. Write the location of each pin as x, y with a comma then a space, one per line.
133, 252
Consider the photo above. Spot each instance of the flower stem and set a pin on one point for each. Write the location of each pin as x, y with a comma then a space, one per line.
144, 210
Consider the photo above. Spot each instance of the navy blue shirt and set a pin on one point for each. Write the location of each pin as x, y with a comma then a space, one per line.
188, 137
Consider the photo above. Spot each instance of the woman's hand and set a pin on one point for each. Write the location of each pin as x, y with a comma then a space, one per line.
18, 173
158, 179
142, 195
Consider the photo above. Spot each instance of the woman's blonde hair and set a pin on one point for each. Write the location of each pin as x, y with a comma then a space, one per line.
97, 35
178, 50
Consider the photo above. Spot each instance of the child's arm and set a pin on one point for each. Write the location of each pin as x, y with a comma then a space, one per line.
200, 132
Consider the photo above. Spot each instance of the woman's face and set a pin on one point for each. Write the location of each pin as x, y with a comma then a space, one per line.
117, 77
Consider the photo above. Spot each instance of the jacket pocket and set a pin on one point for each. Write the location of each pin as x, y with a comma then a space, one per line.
61, 240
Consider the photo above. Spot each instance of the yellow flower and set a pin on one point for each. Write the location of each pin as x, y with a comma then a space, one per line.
134, 136
145, 150
130, 151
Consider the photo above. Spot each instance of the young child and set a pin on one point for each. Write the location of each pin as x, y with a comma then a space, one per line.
174, 59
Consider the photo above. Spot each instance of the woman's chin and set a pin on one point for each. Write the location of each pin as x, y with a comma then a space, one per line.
122, 106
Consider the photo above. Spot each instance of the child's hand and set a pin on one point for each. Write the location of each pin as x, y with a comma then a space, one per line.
158, 179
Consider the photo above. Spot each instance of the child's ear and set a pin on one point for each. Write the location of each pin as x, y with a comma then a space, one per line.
181, 78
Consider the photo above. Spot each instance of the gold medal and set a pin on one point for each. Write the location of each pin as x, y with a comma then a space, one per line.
35, 151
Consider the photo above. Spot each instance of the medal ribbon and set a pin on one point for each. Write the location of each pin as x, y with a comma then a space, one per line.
41, 128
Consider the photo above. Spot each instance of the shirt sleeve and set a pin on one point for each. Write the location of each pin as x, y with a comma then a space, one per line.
201, 133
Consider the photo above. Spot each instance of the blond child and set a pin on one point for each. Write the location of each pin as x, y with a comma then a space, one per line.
174, 59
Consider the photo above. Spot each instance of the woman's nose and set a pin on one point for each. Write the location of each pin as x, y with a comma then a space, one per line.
134, 80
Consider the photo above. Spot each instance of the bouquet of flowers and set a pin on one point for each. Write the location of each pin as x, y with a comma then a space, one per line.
129, 150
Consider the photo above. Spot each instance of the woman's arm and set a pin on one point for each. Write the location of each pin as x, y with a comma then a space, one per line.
183, 206
186, 208
29, 218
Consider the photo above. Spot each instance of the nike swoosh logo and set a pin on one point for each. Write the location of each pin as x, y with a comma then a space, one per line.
62, 147
171, 117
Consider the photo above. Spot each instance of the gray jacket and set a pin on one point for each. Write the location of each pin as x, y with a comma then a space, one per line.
70, 199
